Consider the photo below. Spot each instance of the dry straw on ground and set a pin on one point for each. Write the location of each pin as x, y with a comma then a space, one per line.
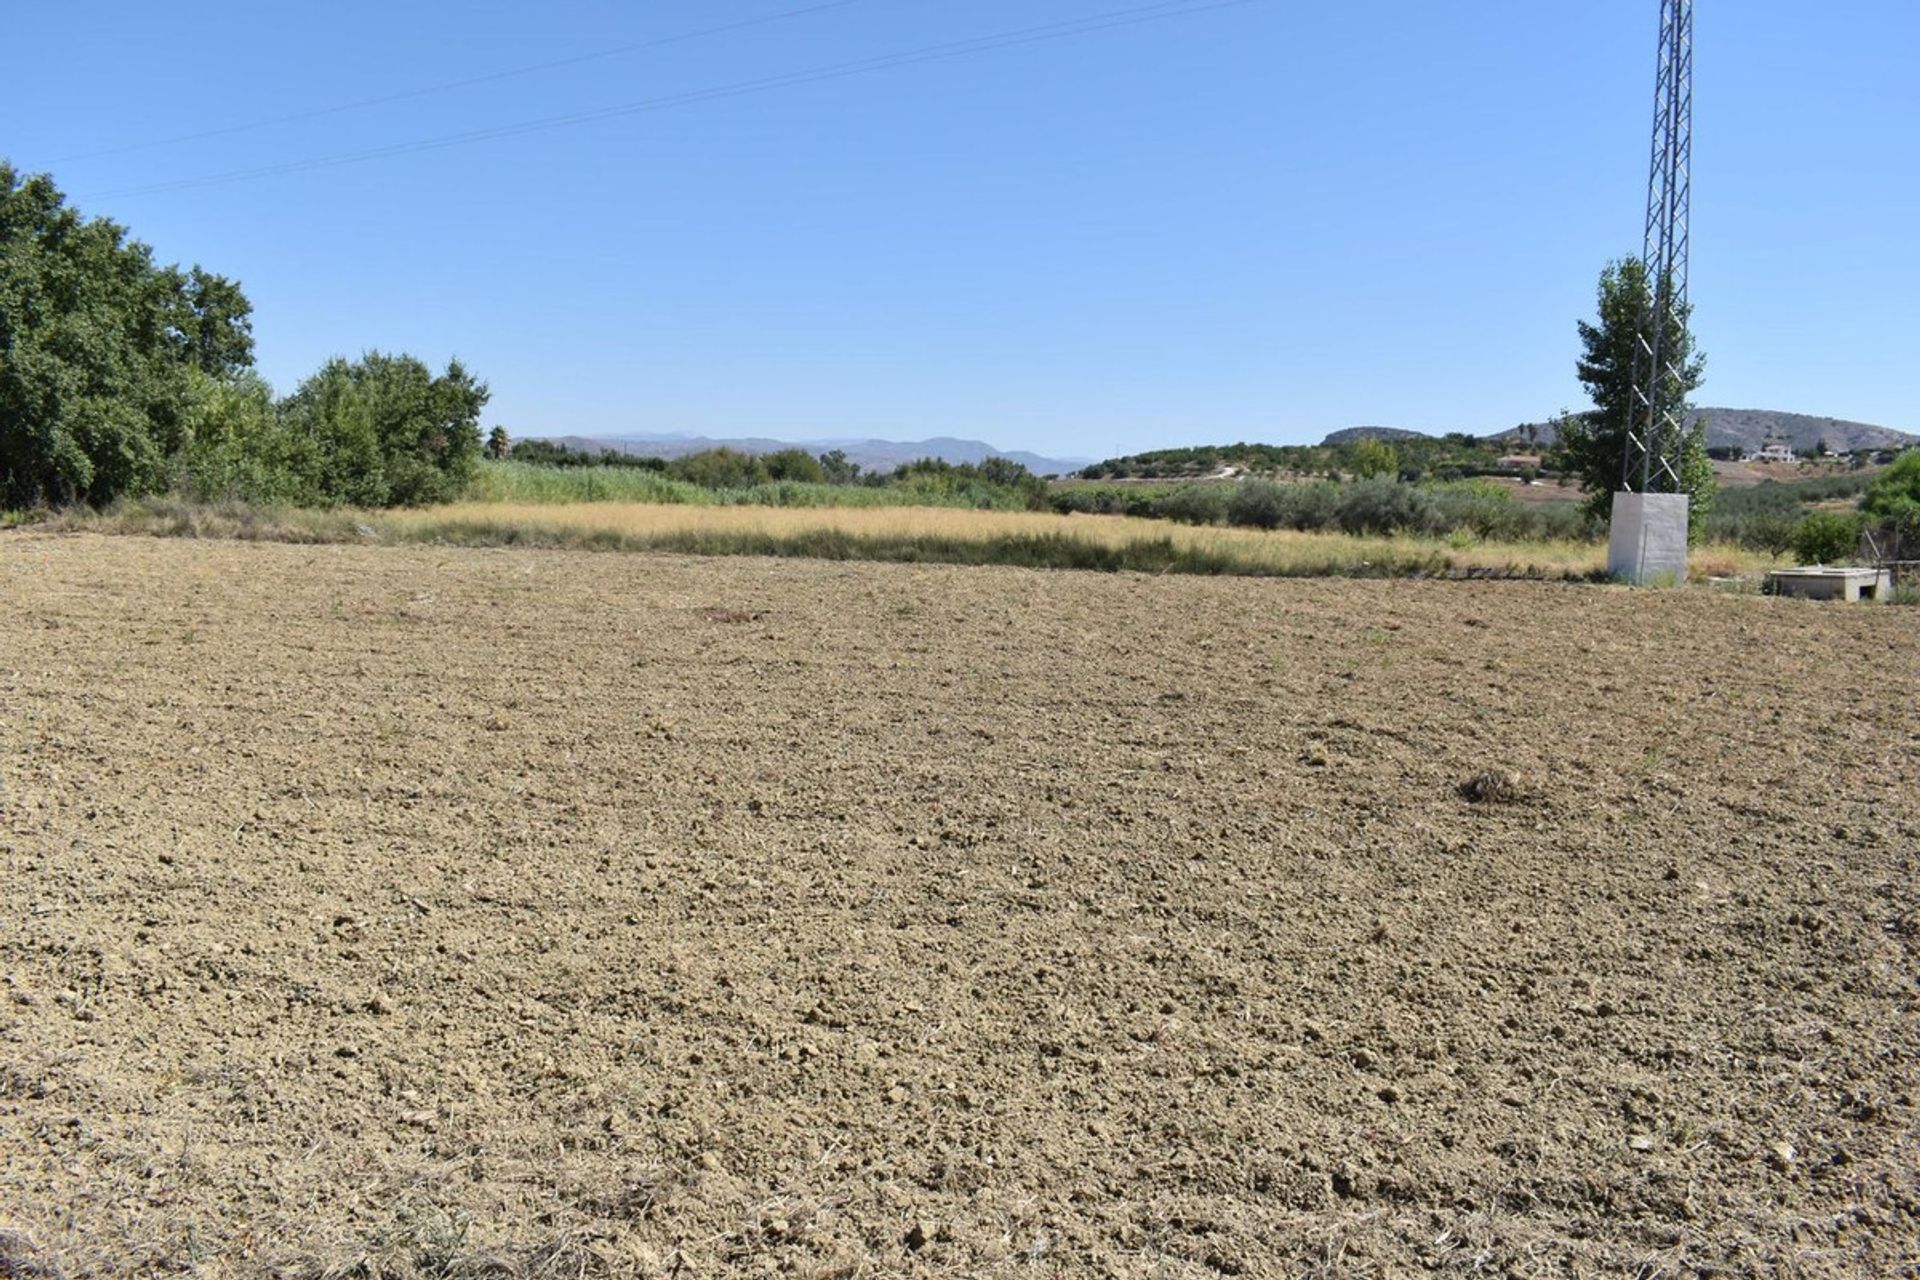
915, 534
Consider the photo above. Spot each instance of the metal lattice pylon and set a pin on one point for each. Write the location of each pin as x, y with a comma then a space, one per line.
1657, 434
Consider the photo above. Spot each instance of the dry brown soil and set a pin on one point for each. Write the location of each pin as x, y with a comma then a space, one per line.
541, 913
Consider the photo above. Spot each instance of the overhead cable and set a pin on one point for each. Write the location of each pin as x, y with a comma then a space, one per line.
1135, 15
449, 86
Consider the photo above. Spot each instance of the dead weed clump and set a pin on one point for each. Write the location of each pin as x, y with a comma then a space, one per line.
1492, 786
21, 1259
435, 1245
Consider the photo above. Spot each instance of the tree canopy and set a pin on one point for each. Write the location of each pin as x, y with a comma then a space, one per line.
1892, 506
1375, 458
120, 377
1594, 445
383, 431
98, 348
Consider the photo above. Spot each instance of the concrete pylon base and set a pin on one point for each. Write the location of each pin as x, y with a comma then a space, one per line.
1648, 542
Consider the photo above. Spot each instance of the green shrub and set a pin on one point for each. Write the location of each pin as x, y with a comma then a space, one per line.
1826, 537
1770, 531
1765, 516
1257, 504
236, 448
1892, 507
1192, 504
1373, 458
1482, 508
1895, 493
513, 481
549, 453
382, 431
1386, 507
1311, 507
794, 464
1563, 521
718, 469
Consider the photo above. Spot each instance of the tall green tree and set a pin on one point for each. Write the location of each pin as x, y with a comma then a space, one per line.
215, 324
720, 468
383, 431
839, 468
1594, 445
1892, 507
1375, 458
97, 347
794, 464
234, 445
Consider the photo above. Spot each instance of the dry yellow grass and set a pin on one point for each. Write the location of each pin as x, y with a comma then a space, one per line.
1278, 551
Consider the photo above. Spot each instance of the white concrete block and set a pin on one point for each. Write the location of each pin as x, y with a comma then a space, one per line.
1818, 582
1648, 541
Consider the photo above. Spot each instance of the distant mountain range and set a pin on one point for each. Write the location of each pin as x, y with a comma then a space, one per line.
1749, 429
872, 455
1746, 429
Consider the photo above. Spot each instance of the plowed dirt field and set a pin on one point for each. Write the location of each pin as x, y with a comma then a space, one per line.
450, 913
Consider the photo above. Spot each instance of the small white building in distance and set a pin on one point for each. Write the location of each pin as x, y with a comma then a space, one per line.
1773, 452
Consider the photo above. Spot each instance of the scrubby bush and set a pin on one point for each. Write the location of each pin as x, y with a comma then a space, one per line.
548, 453
382, 431
1769, 530
795, 465
1892, 507
236, 447
1385, 507
1257, 504
1563, 521
1142, 501
1192, 504
1310, 507
1482, 508
1826, 537
839, 468
1373, 458
718, 469
995, 483
1765, 516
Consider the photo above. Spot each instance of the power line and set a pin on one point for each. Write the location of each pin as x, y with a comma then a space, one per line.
449, 86
1133, 16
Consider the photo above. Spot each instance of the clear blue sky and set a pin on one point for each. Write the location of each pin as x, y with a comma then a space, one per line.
1261, 222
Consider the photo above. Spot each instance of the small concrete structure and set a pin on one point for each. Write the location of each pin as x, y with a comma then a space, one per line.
1818, 582
1648, 538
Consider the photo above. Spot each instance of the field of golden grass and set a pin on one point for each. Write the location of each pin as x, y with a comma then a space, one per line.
1280, 552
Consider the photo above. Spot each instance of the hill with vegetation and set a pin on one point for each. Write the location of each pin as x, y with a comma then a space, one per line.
1751, 428
1357, 451
1746, 430
1458, 454
1354, 435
